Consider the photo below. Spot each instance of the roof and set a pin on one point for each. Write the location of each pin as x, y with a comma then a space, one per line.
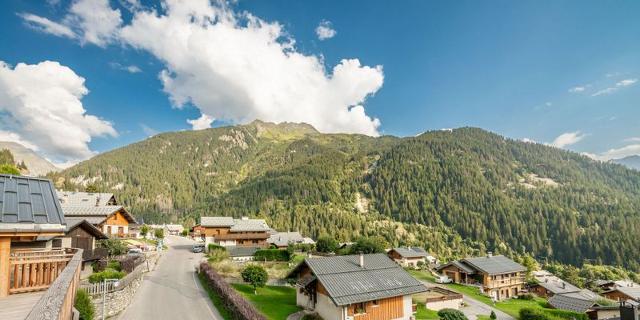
346, 282
28, 204
74, 198
282, 239
458, 264
100, 213
580, 301
411, 252
249, 225
241, 251
631, 292
216, 221
557, 285
73, 223
494, 264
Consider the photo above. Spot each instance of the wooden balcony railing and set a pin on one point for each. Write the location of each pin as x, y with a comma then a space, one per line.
505, 282
36, 270
57, 302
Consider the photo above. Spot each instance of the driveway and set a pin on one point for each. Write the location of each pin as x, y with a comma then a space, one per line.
172, 290
474, 307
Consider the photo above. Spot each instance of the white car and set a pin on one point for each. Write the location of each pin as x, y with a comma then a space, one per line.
443, 279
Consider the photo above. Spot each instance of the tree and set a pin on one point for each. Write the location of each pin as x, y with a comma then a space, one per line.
256, 275
375, 244
326, 244
159, 233
184, 233
144, 230
9, 169
291, 248
91, 188
493, 316
114, 247
451, 314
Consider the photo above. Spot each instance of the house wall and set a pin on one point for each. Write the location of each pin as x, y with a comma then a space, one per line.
215, 231
112, 225
540, 291
453, 273
326, 309
608, 314
617, 296
390, 308
503, 286
303, 300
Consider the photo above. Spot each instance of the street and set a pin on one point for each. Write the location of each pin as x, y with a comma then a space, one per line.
172, 290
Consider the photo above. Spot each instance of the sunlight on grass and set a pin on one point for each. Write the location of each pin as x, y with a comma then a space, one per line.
276, 303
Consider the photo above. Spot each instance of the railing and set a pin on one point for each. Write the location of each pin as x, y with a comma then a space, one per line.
57, 302
36, 270
505, 282
99, 288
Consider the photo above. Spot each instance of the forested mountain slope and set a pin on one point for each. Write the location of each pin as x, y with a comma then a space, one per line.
458, 192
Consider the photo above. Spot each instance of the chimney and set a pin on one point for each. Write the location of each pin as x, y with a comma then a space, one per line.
361, 260
564, 285
489, 254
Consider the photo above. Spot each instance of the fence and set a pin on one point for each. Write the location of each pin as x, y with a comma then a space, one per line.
36, 270
99, 288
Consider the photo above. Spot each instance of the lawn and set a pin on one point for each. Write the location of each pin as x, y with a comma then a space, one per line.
513, 306
426, 314
422, 275
276, 303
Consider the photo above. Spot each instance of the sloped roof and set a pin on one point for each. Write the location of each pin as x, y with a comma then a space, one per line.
235, 251
74, 198
216, 221
29, 204
411, 252
346, 282
96, 212
494, 264
73, 223
580, 301
458, 264
249, 225
632, 292
281, 239
557, 285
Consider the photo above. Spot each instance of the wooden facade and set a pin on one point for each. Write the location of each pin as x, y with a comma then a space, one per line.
390, 308
617, 295
240, 238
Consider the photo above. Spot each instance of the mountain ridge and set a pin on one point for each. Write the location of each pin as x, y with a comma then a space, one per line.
37, 165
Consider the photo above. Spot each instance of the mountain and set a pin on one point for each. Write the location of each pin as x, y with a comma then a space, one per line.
37, 166
632, 162
458, 192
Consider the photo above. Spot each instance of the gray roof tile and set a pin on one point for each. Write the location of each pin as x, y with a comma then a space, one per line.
494, 264
411, 252
235, 251
579, 301
216, 221
75, 198
26, 200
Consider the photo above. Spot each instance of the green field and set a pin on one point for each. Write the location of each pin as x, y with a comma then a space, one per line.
274, 302
426, 314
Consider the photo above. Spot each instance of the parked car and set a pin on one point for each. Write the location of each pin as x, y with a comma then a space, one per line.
197, 248
443, 279
134, 252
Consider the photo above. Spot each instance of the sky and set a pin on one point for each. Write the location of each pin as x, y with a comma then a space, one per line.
86, 76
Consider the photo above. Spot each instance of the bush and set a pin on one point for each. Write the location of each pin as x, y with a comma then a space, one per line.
493, 315
256, 275
272, 255
217, 255
238, 307
451, 314
159, 233
526, 296
213, 246
114, 264
114, 247
106, 274
326, 244
83, 305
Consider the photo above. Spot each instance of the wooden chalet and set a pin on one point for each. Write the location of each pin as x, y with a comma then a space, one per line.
228, 232
112, 220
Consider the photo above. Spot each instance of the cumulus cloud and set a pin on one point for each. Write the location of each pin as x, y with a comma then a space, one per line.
325, 31
41, 108
89, 21
567, 139
204, 122
620, 84
47, 26
238, 67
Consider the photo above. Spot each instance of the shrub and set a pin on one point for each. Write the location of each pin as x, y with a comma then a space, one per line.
326, 244
256, 275
238, 307
217, 255
159, 233
311, 317
451, 314
213, 246
114, 264
83, 305
106, 274
526, 296
493, 315
272, 255
114, 247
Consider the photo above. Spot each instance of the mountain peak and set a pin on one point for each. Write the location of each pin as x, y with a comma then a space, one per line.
282, 129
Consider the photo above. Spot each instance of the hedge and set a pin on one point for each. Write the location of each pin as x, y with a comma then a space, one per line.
106, 274
213, 246
239, 308
272, 255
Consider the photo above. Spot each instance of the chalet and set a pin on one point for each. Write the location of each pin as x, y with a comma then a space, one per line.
197, 231
623, 293
34, 281
607, 285
547, 285
357, 287
227, 231
83, 199
79, 233
499, 276
281, 240
111, 220
408, 256
584, 301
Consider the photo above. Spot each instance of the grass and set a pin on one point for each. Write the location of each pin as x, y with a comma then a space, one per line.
426, 314
274, 302
421, 275
482, 317
217, 301
513, 306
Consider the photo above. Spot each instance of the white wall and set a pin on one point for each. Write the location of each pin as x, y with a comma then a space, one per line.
303, 300
327, 310
439, 305
407, 302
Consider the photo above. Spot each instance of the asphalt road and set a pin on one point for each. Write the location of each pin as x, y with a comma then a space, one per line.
172, 291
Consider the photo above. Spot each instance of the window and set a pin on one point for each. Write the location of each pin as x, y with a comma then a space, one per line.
361, 308
375, 303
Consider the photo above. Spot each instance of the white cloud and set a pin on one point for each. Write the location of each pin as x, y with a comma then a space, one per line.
89, 21
567, 139
325, 30
577, 89
129, 68
204, 122
632, 139
47, 26
238, 67
41, 107
617, 153
618, 85
528, 140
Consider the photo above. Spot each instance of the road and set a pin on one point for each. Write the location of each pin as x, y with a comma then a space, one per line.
473, 307
172, 291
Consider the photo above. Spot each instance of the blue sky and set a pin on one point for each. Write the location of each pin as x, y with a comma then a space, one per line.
562, 71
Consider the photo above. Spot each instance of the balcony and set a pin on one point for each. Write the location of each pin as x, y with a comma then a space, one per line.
42, 284
499, 283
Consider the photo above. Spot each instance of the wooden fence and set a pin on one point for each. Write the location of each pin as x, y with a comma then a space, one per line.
36, 270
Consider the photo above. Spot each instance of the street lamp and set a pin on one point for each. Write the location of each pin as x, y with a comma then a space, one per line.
116, 282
